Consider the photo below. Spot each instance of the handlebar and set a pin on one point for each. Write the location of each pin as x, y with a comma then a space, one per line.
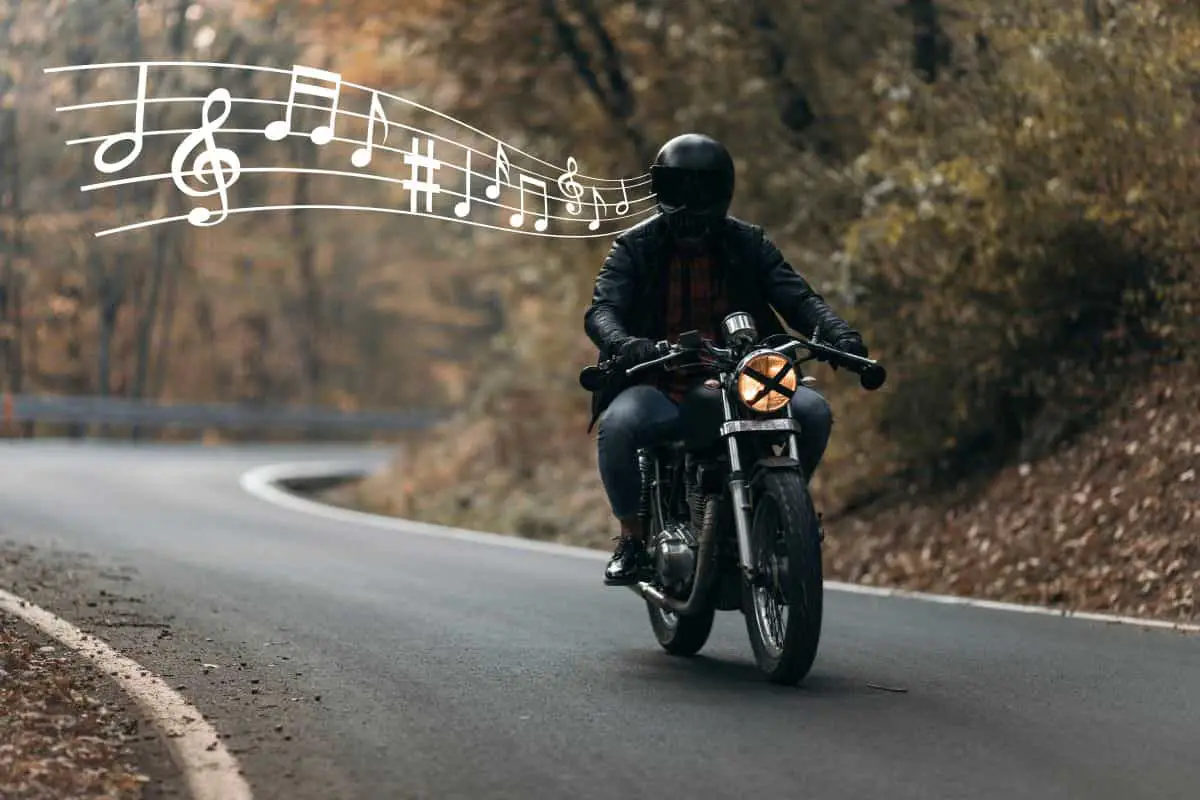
871, 373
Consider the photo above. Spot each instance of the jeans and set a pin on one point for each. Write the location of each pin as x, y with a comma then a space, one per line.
642, 416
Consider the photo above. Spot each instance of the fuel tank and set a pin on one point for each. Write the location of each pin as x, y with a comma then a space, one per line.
701, 416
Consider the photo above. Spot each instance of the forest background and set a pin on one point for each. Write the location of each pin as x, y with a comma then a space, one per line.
1005, 198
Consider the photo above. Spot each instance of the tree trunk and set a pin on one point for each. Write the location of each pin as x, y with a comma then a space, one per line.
310, 289
171, 295
147, 320
9, 343
607, 81
930, 45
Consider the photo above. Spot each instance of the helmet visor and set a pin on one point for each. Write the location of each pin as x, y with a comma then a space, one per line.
693, 189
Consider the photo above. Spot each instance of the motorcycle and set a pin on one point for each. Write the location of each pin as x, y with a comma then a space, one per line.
730, 522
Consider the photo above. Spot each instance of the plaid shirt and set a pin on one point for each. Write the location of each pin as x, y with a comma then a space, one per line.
694, 302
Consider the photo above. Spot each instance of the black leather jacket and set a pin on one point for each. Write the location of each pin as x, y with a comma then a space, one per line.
630, 292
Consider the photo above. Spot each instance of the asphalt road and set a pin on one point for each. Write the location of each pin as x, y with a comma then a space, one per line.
351, 661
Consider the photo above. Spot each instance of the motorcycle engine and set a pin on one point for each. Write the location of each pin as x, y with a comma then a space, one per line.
674, 551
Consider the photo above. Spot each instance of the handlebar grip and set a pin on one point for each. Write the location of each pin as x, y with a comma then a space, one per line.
872, 377
593, 379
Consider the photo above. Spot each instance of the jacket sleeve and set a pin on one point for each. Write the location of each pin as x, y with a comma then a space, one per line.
795, 299
612, 299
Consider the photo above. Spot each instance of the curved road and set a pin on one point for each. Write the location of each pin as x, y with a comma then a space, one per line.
346, 660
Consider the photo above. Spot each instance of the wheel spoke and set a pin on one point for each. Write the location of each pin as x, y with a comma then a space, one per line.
770, 562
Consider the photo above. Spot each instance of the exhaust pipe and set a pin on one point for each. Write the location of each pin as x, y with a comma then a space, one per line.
705, 569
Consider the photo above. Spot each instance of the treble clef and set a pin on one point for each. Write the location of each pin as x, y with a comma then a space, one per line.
570, 187
221, 162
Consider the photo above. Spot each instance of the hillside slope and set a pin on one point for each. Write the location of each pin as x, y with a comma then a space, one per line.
1109, 523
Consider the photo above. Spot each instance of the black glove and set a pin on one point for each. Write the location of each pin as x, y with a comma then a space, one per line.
852, 345
634, 351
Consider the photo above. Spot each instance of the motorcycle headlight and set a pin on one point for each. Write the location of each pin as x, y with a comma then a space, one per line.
766, 381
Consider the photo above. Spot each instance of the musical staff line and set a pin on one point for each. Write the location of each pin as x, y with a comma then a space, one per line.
346, 84
384, 209
474, 174
401, 182
84, 140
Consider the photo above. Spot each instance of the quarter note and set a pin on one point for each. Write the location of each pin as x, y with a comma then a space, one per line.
463, 208
502, 165
518, 219
135, 137
362, 156
622, 207
220, 162
595, 223
322, 134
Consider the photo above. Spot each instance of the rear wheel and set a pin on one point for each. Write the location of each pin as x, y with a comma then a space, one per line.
783, 607
679, 635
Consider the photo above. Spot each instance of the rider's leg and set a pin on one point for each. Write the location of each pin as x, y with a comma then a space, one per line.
812, 411
639, 417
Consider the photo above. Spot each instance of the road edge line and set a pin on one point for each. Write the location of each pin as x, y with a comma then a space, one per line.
263, 483
209, 770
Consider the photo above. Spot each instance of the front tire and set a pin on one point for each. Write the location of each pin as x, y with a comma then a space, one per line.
679, 635
785, 542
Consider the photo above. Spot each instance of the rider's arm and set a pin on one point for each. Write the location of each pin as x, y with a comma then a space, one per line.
801, 307
612, 299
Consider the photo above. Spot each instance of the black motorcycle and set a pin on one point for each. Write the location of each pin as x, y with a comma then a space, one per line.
730, 522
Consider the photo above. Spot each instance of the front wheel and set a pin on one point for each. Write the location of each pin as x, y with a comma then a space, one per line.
783, 605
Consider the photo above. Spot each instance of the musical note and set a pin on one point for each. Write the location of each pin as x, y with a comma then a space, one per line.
623, 207
463, 208
322, 134
571, 188
414, 184
595, 223
135, 137
362, 156
518, 219
213, 159
502, 165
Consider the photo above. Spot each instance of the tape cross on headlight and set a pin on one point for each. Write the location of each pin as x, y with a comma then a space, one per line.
770, 384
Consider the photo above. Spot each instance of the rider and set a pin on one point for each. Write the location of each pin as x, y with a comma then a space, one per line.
685, 269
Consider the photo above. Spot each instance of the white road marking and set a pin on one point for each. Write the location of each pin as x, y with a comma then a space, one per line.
262, 482
209, 770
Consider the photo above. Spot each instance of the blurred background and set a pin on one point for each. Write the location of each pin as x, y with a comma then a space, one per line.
1003, 196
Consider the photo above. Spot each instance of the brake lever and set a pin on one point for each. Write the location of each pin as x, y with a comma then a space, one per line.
673, 351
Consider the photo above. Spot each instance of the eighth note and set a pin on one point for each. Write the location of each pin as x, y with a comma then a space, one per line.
570, 187
493, 191
595, 223
322, 134
518, 219
211, 160
362, 156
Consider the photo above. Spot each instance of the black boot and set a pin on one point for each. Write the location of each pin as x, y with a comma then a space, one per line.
623, 567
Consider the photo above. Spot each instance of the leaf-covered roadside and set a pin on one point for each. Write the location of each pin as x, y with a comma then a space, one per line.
57, 740
1109, 524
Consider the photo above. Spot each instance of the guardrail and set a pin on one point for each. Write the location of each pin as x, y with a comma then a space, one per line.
122, 411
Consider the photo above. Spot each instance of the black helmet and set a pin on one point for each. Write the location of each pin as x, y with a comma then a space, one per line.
692, 178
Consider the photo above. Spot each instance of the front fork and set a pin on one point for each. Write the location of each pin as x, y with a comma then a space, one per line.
739, 488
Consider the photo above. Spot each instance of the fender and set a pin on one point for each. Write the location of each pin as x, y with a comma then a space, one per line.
780, 464
772, 464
